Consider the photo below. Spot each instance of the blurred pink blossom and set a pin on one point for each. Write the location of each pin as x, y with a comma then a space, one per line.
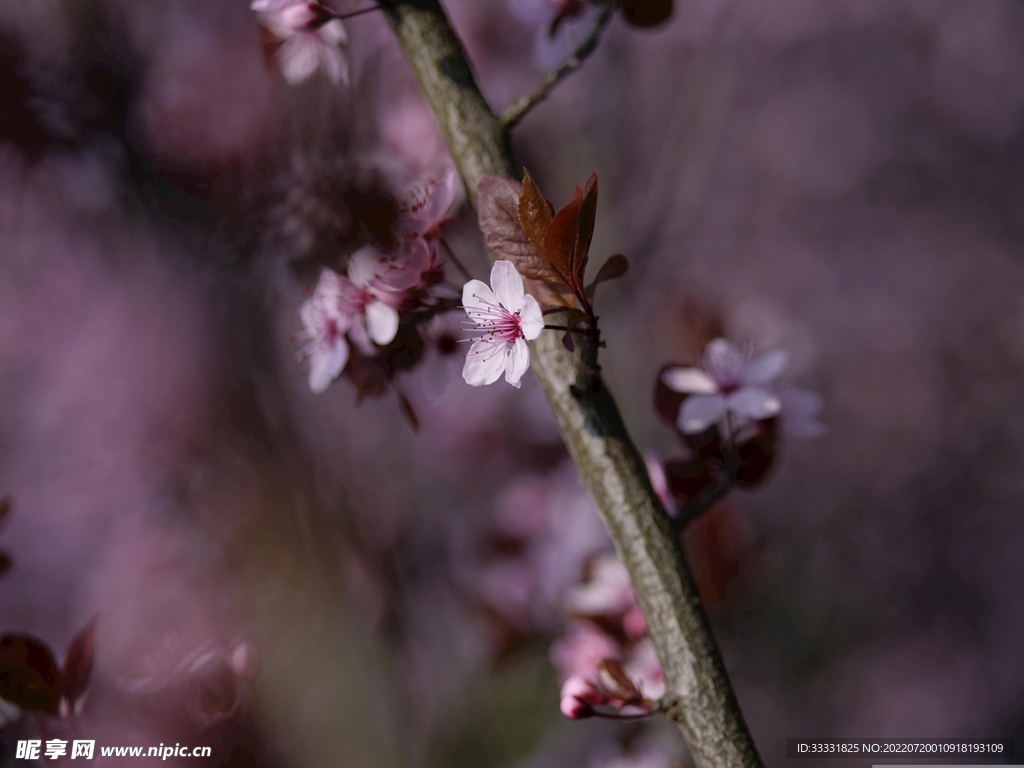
578, 652
324, 328
729, 382
310, 36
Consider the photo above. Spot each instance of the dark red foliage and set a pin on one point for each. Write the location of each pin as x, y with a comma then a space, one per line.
29, 676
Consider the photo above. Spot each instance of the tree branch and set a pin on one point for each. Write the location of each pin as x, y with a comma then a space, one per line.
511, 116
698, 695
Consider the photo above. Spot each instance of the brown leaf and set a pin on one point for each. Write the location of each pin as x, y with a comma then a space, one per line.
78, 663
29, 676
613, 269
498, 206
568, 343
535, 213
585, 227
615, 681
647, 13
560, 240
6, 503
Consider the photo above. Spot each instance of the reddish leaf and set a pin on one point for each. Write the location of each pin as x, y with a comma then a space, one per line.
78, 663
560, 240
613, 269
498, 206
568, 343
687, 479
535, 213
5, 508
615, 681
647, 13
585, 227
5, 563
29, 676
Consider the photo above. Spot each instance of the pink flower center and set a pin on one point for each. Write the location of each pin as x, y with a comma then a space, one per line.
497, 324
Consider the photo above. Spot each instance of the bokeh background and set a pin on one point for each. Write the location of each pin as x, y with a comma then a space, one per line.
303, 580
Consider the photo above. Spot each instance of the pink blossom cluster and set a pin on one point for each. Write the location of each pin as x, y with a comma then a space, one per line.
358, 312
304, 37
606, 661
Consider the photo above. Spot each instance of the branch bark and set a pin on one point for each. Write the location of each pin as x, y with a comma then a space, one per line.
699, 696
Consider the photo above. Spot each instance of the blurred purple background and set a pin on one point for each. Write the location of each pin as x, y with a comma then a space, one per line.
843, 181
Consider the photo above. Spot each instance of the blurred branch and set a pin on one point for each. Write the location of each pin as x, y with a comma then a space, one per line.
511, 116
699, 696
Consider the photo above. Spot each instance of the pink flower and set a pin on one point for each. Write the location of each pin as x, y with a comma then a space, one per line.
426, 206
578, 653
369, 300
311, 38
729, 383
608, 593
324, 328
579, 697
506, 317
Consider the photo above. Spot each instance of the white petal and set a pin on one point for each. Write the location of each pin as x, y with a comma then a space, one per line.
484, 363
723, 355
699, 412
479, 301
326, 364
531, 318
508, 285
754, 403
381, 322
441, 197
363, 266
299, 57
517, 361
358, 335
689, 380
333, 33
764, 368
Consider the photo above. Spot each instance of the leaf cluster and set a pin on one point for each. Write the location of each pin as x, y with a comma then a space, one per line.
549, 247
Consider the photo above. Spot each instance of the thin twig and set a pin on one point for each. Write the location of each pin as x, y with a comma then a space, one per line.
514, 114
455, 260
353, 14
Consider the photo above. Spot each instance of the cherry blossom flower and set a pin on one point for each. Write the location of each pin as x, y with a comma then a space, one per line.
577, 653
729, 383
425, 208
310, 36
506, 317
608, 592
370, 295
324, 328
579, 697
